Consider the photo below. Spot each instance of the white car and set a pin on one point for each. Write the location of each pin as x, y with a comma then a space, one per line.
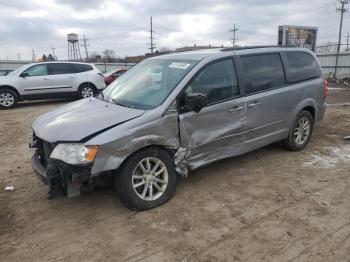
50, 80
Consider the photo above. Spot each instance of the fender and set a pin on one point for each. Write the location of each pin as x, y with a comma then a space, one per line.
308, 102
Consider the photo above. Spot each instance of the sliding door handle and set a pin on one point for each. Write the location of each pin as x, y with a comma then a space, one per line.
255, 104
235, 109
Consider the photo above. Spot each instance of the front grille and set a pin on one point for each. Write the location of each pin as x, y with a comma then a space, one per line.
44, 149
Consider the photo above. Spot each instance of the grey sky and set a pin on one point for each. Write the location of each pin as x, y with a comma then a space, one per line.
122, 25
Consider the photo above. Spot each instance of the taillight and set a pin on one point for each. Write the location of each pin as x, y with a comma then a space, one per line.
325, 88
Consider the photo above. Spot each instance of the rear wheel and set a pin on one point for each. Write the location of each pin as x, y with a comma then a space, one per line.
300, 133
86, 90
8, 99
146, 180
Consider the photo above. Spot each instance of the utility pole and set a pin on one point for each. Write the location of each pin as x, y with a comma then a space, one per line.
53, 52
33, 56
342, 10
234, 30
85, 45
152, 45
347, 42
19, 56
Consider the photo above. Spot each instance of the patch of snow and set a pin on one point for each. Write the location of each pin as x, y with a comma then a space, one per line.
331, 157
339, 104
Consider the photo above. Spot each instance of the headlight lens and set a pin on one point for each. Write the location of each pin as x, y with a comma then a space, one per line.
74, 153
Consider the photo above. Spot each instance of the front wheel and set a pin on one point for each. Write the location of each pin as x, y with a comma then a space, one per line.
146, 180
300, 133
86, 90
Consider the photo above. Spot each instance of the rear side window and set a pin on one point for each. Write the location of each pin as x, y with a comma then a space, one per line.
61, 69
263, 72
79, 68
302, 66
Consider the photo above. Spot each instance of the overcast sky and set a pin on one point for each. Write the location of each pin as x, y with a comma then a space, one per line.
123, 25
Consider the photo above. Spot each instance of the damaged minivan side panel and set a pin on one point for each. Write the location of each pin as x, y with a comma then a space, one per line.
121, 141
203, 143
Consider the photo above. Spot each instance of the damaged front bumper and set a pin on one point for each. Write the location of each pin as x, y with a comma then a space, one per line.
39, 169
62, 179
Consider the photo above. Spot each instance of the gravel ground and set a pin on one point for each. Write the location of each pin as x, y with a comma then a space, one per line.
268, 205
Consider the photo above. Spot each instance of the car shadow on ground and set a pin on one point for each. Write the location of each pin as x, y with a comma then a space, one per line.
108, 196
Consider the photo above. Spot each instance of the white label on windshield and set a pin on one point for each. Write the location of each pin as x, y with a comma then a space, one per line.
179, 65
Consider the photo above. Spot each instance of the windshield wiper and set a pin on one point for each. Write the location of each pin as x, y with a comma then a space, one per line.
120, 104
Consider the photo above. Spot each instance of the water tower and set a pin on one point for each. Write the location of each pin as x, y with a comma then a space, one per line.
73, 47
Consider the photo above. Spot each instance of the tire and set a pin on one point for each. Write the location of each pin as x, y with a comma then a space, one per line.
298, 139
8, 98
86, 90
131, 182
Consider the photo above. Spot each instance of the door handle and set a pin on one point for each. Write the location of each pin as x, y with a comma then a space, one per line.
235, 109
255, 104
46, 79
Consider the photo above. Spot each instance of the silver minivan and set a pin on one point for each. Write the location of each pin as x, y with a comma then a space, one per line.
172, 114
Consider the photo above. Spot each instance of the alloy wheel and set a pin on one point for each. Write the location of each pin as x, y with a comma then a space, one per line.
87, 92
7, 99
150, 178
302, 131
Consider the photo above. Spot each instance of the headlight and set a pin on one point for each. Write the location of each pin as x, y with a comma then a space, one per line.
74, 153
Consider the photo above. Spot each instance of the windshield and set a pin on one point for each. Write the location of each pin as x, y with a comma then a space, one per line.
147, 84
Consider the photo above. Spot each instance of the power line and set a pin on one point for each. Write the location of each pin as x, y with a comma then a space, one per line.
234, 30
342, 10
152, 45
85, 45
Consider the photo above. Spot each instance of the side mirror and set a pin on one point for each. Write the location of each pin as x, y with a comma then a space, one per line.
195, 102
24, 74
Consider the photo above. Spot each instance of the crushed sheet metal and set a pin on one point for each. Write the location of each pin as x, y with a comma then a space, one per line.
180, 162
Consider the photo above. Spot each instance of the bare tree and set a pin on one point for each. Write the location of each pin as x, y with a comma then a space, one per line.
165, 49
109, 55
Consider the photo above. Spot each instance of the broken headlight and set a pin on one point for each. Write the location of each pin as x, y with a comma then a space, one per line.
74, 153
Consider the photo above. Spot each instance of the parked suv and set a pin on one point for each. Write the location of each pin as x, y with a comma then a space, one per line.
49, 80
172, 114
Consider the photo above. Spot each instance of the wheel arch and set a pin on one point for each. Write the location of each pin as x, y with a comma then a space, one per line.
311, 110
115, 162
87, 83
306, 105
12, 89
166, 149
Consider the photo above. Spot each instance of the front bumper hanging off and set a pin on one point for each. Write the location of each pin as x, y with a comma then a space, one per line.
61, 178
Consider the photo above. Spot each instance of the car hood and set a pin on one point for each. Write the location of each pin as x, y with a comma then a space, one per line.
7, 79
81, 119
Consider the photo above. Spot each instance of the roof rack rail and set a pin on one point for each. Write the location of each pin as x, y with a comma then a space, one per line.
247, 47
